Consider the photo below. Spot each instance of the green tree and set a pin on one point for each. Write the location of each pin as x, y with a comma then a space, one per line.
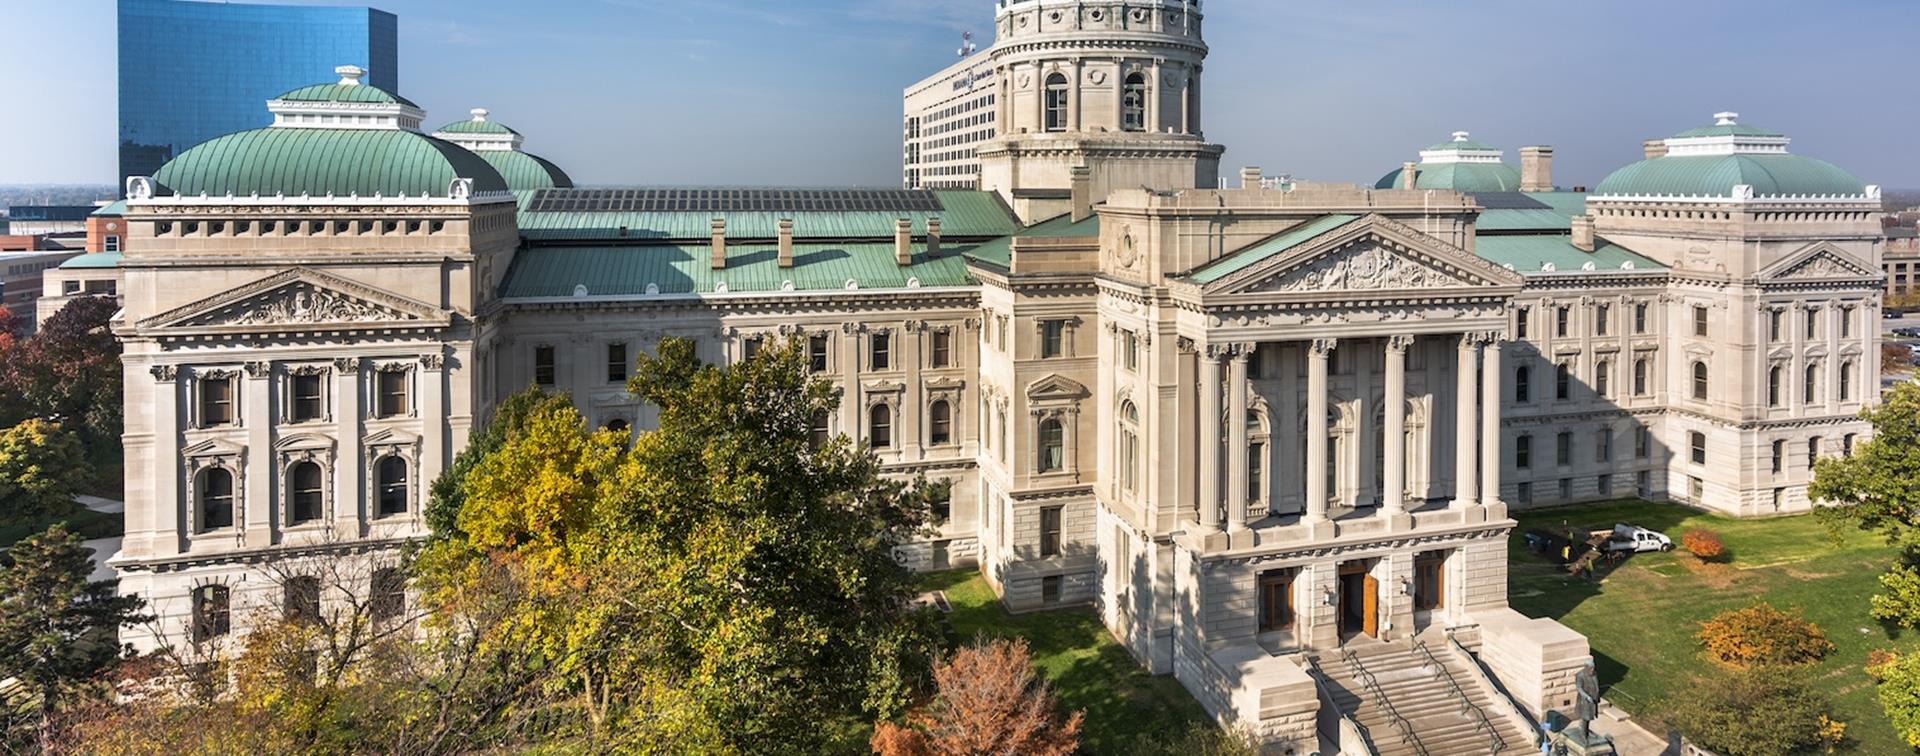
1877, 488
722, 586
1900, 695
41, 466
449, 490
70, 371
57, 628
1754, 711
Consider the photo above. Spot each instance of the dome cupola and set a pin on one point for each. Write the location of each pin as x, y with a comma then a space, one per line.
499, 145
1461, 164
1732, 160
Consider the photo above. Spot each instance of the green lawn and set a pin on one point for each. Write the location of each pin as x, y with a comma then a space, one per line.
1088, 668
1641, 616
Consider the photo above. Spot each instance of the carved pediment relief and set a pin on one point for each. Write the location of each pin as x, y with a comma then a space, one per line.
213, 447
1056, 387
1820, 261
298, 298
390, 437
1371, 254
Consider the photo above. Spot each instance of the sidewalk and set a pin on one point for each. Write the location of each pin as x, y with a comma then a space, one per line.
103, 548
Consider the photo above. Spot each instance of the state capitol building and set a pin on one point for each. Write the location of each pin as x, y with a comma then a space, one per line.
1273, 435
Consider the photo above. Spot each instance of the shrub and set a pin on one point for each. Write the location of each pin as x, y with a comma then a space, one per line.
989, 701
1704, 543
1761, 635
1878, 661
1900, 696
1758, 711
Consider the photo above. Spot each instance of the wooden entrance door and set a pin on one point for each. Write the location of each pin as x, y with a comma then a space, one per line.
1370, 607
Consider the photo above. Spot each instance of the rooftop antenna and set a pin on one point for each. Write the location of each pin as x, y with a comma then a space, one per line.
966, 44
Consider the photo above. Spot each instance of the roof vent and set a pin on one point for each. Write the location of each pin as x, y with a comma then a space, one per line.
350, 75
720, 288
479, 115
579, 290
1726, 118
653, 289
1459, 136
786, 285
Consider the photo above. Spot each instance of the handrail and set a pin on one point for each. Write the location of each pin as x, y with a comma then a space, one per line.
1467, 706
1372, 687
1499, 691
1321, 683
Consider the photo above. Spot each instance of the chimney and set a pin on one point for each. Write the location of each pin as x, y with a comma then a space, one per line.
1536, 169
786, 242
1583, 233
903, 241
719, 243
1250, 177
1409, 172
1082, 192
933, 236
1654, 148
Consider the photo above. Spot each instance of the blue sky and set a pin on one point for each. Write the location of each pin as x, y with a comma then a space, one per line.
807, 92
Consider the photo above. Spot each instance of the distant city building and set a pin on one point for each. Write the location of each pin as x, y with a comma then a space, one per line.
38, 220
947, 116
192, 71
1900, 260
95, 273
20, 281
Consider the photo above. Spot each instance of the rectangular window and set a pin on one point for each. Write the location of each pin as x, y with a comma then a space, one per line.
1696, 490
1643, 484
1523, 452
1813, 324
543, 367
391, 390
617, 362
1256, 459
1052, 338
70, 288
1697, 446
1779, 456
1050, 589
1846, 322
1050, 531
216, 401
1779, 497
1642, 439
942, 351
1276, 600
1566, 489
1563, 381
1700, 321
1773, 325
1524, 493
1520, 318
1428, 580
1604, 484
1562, 320
389, 598
1129, 350
1813, 451
305, 402
880, 351
112, 244
1603, 446
750, 346
942, 507
817, 352
1601, 315
302, 599
1640, 317
1563, 449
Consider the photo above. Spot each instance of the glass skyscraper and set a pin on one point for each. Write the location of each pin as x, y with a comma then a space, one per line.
192, 71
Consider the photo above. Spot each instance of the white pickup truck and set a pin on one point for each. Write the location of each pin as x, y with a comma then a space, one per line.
1633, 539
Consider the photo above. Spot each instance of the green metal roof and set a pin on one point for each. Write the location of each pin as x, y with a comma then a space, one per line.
1716, 175
1529, 254
523, 171
999, 251
92, 260
684, 269
114, 208
318, 162
344, 93
1727, 129
1460, 177
963, 214
1545, 211
1268, 247
1462, 144
472, 126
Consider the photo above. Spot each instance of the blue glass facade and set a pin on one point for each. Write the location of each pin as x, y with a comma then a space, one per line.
192, 71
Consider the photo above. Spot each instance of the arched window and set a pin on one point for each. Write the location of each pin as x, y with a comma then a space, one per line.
1053, 446
817, 429
390, 483
940, 423
1700, 381
216, 498
1133, 103
617, 425
1056, 102
1129, 446
1602, 376
1846, 381
880, 426
1774, 375
1640, 377
1812, 386
212, 612
304, 482
1522, 384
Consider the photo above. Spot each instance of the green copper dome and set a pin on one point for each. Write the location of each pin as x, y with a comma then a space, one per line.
1775, 174
319, 162
1460, 177
523, 171
345, 93
476, 126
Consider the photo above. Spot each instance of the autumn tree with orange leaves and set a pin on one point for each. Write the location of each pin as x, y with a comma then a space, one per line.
989, 701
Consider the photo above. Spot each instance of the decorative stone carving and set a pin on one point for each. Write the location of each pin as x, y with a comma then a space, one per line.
165, 373
346, 364
257, 369
1323, 347
433, 361
1363, 267
1399, 343
1824, 265
301, 302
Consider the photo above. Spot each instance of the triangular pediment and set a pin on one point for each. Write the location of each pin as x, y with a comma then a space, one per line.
1370, 254
1056, 386
298, 299
1818, 261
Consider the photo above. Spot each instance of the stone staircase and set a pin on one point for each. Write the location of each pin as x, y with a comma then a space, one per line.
1421, 698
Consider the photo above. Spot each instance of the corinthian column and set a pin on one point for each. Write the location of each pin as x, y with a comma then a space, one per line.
1209, 438
1317, 354
1464, 446
1490, 424
1394, 434
1237, 438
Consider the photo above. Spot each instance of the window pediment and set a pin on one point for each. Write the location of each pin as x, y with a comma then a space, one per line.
1056, 387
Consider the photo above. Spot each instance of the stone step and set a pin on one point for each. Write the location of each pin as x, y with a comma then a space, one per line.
1430, 707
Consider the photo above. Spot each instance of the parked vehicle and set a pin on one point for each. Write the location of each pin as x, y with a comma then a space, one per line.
1893, 314
1626, 538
